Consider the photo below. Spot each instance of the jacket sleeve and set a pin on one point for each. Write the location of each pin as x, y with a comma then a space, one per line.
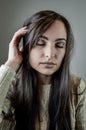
7, 75
80, 111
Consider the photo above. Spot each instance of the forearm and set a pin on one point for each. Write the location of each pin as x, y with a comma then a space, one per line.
81, 107
7, 75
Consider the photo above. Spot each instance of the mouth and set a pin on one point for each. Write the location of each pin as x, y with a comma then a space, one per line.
48, 64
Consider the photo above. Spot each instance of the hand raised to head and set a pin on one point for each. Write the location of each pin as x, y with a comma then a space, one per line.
14, 54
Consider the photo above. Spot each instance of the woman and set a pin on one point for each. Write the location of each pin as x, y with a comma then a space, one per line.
37, 91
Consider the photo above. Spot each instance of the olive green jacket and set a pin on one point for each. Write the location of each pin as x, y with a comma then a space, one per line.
78, 104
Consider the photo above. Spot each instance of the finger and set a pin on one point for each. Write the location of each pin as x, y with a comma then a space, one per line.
19, 34
21, 31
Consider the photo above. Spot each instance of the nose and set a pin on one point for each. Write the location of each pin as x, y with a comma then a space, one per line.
50, 52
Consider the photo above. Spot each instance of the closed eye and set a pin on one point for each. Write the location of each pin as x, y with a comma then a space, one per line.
41, 43
60, 44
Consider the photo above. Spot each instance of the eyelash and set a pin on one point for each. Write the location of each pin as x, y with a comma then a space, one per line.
57, 45
41, 44
60, 45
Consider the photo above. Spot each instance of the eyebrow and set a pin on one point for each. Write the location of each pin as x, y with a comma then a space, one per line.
58, 39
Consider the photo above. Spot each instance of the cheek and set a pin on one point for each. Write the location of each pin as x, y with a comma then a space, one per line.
61, 56
34, 56
35, 53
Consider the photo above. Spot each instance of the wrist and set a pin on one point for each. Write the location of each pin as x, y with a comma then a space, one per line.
13, 65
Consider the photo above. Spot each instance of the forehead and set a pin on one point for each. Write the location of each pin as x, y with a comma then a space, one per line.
56, 30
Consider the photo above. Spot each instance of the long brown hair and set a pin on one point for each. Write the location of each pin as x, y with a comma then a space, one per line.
26, 102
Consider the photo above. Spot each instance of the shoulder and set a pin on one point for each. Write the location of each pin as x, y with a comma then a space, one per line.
78, 84
78, 91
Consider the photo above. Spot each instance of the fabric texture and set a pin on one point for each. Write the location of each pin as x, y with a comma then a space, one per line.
78, 104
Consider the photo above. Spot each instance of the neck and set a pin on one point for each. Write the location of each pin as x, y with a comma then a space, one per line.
44, 79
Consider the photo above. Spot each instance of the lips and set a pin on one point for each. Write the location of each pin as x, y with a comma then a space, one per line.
48, 64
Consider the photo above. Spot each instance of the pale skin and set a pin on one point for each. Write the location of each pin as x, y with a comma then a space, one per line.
15, 55
46, 57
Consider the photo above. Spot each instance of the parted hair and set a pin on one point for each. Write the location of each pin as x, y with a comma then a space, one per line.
24, 97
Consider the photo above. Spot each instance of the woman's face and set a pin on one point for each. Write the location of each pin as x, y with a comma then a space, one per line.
46, 57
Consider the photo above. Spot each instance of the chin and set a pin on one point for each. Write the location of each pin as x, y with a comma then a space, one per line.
47, 73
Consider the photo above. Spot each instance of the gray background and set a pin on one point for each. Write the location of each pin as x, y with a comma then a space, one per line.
14, 12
